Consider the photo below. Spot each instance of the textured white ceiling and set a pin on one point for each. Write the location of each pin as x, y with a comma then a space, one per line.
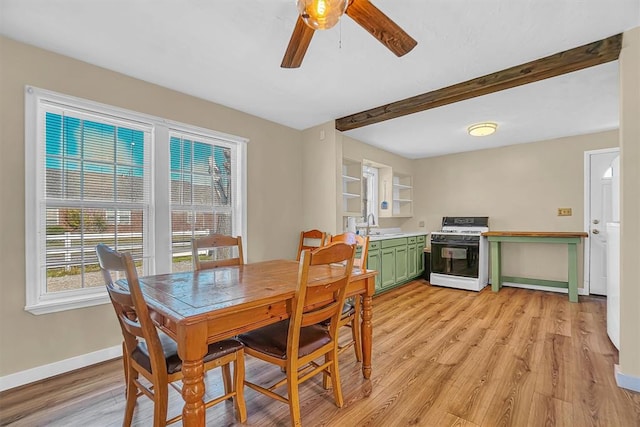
229, 52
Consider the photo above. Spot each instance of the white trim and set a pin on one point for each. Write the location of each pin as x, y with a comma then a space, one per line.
45, 371
626, 381
587, 211
581, 291
53, 305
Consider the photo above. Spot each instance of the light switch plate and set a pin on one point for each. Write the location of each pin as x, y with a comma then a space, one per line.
564, 212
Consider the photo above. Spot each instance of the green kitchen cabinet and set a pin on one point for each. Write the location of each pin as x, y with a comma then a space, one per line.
402, 264
374, 262
412, 257
388, 267
398, 260
420, 244
394, 262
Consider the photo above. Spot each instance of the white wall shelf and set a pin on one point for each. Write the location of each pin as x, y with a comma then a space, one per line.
351, 187
402, 201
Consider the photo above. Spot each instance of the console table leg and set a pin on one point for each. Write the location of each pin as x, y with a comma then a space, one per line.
573, 272
495, 266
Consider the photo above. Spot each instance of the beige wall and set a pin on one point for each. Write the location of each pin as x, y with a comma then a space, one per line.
274, 192
319, 178
630, 204
519, 187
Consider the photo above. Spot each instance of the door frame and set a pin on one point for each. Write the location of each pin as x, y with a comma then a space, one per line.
587, 215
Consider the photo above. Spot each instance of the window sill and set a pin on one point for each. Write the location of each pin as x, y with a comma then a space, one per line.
67, 303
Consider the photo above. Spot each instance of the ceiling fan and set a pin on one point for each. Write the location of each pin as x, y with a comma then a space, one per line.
313, 14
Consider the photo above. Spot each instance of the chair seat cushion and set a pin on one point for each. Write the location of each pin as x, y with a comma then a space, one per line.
272, 339
170, 349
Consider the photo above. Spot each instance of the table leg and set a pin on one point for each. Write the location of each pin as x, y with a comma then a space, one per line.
495, 266
192, 347
573, 272
367, 335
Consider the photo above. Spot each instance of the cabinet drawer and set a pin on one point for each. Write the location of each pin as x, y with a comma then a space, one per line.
374, 246
422, 239
389, 243
411, 240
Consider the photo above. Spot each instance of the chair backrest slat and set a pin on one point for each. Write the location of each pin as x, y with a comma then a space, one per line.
360, 242
216, 244
320, 299
319, 237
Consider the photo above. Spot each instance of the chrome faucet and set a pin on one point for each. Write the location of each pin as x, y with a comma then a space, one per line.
369, 224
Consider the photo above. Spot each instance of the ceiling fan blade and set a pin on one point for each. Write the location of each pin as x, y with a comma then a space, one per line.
381, 27
298, 45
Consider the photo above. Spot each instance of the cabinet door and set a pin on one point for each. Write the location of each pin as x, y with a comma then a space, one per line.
388, 270
373, 263
412, 260
402, 271
420, 256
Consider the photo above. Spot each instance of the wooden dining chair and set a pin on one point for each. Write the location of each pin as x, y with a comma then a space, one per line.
312, 239
351, 311
295, 343
216, 250
152, 354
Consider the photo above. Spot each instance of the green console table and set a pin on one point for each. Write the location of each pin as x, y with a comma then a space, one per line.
571, 239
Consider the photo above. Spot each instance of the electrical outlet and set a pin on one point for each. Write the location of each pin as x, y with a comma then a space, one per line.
421, 224
564, 212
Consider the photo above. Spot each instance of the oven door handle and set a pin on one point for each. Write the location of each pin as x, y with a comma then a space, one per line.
457, 244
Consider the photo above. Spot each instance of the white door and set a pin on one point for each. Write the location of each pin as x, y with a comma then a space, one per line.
599, 212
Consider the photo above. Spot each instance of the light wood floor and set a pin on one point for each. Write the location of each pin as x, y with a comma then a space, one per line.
442, 357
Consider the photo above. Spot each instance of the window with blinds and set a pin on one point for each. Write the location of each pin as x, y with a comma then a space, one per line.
202, 188
97, 186
138, 183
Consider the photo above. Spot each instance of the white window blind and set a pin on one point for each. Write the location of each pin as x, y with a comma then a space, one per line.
96, 170
203, 186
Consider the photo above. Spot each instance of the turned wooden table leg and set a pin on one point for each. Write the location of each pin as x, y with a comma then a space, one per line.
192, 346
367, 335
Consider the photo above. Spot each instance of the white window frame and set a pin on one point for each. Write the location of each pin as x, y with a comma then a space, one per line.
372, 191
157, 257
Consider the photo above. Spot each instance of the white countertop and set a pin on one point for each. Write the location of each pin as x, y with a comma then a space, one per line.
374, 237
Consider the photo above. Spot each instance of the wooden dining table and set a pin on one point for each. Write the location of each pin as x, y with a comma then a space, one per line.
201, 307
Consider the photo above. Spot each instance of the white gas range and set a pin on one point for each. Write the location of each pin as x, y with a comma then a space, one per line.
459, 254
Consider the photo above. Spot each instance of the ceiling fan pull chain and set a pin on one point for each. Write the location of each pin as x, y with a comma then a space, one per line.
340, 35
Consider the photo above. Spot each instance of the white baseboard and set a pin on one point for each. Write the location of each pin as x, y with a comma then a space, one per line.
41, 372
626, 381
581, 291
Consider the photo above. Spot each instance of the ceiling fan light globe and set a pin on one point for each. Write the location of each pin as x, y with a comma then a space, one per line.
321, 14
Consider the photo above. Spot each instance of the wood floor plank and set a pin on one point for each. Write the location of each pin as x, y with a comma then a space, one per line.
556, 369
441, 357
547, 411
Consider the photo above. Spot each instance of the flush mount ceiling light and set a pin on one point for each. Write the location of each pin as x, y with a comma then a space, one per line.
321, 14
482, 129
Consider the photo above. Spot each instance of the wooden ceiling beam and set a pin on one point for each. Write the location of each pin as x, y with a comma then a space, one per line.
589, 55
